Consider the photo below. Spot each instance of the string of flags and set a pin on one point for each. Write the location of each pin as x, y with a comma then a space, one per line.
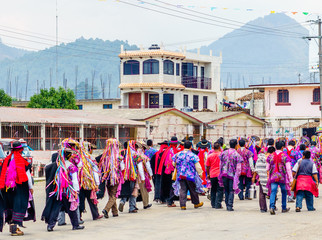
217, 8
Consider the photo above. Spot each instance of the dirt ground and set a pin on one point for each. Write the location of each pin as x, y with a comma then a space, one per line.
161, 222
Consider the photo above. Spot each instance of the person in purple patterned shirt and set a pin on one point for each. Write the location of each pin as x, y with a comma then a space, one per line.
230, 169
150, 151
187, 164
247, 168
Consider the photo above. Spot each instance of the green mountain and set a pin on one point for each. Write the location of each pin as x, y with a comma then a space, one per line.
91, 61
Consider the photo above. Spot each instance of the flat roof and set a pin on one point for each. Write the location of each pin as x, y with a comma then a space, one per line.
285, 85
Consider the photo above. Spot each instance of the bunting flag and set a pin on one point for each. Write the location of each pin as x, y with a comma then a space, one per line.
217, 8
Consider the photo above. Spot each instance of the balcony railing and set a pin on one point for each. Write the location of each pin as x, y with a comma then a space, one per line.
196, 82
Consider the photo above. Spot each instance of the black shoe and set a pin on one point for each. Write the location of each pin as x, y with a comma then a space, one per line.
115, 215
105, 213
230, 209
121, 206
285, 210
263, 211
298, 209
62, 224
81, 222
313, 209
79, 228
136, 208
272, 211
148, 206
50, 229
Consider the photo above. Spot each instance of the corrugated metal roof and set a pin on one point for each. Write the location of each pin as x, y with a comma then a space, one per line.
63, 116
144, 114
207, 117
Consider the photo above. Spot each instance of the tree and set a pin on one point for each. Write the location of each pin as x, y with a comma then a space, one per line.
54, 98
5, 100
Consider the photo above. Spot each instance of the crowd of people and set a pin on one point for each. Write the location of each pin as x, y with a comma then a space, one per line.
176, 170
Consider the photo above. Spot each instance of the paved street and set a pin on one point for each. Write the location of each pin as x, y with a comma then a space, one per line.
161, 222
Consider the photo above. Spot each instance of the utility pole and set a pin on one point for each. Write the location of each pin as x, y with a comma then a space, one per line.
319, 22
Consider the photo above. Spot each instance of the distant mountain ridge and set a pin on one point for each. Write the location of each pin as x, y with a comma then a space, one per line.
255, 58
7, 52
85, 58
248, 58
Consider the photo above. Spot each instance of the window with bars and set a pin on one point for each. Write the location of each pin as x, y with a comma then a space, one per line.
316, 95
282, 96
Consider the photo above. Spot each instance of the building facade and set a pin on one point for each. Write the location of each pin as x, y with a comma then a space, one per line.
156, 78
290, 107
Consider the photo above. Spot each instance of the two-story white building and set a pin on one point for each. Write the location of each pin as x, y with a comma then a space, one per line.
156, 78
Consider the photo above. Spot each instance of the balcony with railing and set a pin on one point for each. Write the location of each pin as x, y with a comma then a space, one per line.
196, 82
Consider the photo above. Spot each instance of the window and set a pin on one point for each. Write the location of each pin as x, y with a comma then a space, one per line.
178, 69
195, 102
187, 69
195, 71
282, 96
202, 72
80, 107
316, 95
168, 100
107, 106
205, 102
151, 66
185, 101
154, 100
168, 67
131, 67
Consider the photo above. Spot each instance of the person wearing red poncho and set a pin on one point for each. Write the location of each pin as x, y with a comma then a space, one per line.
304, 170
15, 183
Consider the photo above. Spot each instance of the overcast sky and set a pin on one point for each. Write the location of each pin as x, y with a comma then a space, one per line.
110, 20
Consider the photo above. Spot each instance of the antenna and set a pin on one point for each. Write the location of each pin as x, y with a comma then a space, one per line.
57, 43
27, 80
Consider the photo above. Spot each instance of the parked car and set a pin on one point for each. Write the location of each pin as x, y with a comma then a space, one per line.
2, 154
5, 143
26, 153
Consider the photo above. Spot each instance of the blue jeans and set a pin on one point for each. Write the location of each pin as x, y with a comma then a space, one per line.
308, 198
274, 187
132, 202
244, 182
229, 192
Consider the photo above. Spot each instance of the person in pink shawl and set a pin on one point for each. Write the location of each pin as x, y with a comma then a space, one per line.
279, 174
230, 169
306, 188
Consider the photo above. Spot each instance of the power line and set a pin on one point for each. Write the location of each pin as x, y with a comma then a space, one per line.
200, 21
225, 19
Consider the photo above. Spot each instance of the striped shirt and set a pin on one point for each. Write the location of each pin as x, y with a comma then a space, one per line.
260, 169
